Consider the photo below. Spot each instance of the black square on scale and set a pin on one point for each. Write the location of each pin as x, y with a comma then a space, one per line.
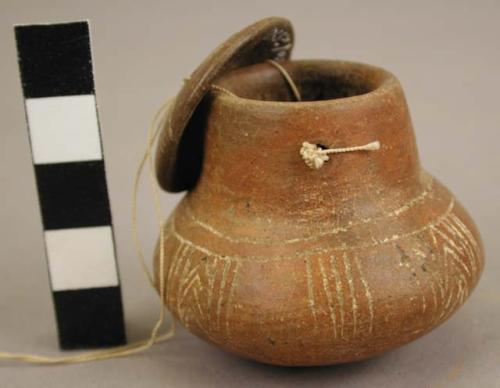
73, 195
55, 59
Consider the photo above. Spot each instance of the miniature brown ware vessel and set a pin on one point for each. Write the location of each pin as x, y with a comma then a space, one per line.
280, 263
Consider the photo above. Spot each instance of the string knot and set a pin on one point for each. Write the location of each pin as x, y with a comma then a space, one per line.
314, 156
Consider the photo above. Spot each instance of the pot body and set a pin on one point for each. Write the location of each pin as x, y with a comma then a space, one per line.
286, 265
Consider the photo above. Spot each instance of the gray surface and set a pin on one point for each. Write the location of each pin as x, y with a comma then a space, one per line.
446, 54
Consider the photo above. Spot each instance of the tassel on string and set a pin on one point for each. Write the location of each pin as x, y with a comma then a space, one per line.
314, 156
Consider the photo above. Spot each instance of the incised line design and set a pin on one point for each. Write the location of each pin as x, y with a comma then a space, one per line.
328, 232
367, 245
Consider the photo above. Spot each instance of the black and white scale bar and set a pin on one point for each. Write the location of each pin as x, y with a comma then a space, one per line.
58, 84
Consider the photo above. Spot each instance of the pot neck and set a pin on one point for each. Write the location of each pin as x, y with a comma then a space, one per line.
252, 147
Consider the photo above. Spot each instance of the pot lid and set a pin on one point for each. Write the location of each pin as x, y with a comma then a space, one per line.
179, 154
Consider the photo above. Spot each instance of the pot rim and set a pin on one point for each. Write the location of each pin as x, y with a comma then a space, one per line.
387, 81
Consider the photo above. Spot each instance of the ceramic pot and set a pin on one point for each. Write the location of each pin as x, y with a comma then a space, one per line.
277, 262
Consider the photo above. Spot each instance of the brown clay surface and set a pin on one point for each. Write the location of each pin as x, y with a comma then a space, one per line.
291, 266
178, 158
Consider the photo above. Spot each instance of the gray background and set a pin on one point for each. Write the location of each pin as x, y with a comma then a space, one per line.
447, 56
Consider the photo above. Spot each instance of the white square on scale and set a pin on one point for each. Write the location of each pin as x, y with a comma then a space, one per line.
63, 129
81, 258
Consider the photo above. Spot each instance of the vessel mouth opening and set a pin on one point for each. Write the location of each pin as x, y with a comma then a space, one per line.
315, 80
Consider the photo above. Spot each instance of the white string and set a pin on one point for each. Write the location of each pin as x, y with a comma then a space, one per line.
314, 156
288, 79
